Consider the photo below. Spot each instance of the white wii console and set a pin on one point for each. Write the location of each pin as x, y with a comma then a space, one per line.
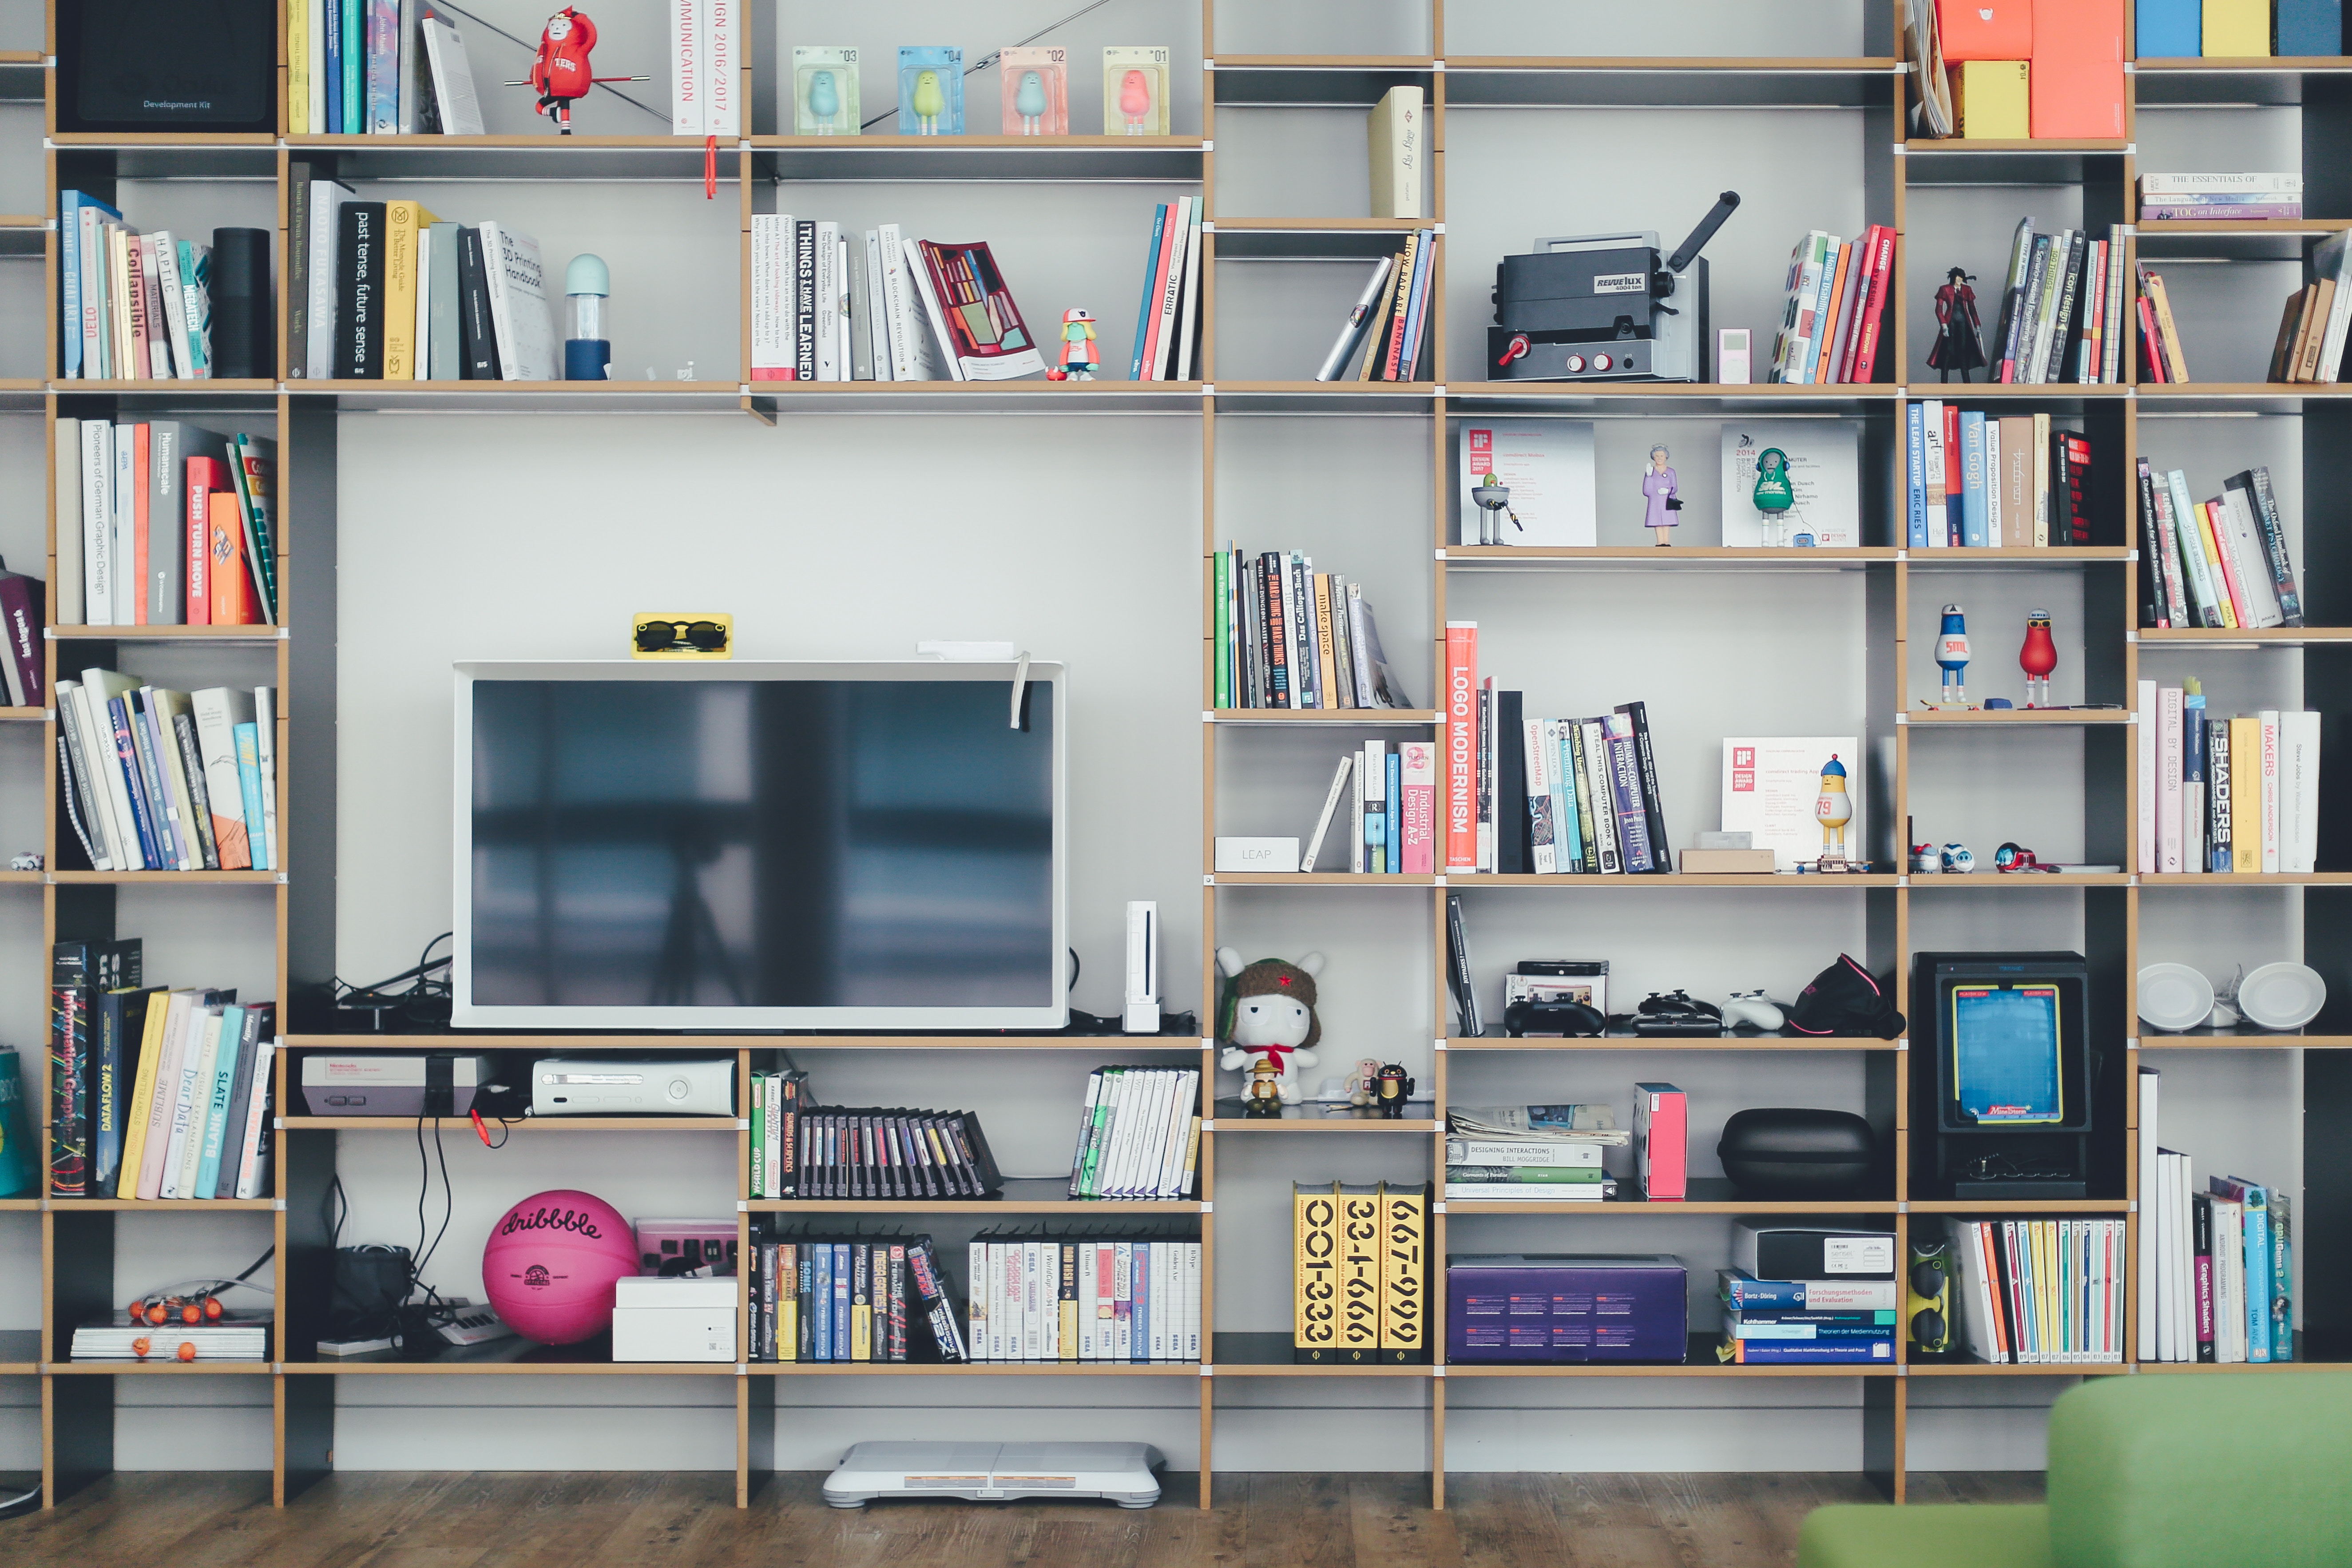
996, 1472
595, 1086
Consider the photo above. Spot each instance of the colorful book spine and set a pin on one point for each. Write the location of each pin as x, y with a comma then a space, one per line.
1314, 1272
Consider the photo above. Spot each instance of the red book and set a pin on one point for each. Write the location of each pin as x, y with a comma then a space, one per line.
1460, 746
1864, 360
1954, 477
2151, 365
139, 493
1167, 252
232, 587
205, 476
1661, 1141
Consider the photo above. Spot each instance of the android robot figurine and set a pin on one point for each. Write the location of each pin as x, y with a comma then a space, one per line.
1952, 658
1079, 355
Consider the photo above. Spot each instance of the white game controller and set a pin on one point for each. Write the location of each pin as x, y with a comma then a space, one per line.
1752, 1007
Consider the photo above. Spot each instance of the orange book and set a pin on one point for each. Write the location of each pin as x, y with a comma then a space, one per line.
2076, 86
231, 582
139, 493
1825, 361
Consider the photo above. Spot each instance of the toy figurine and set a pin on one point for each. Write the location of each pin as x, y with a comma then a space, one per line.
1029, 102
1262, 1096
1493, 504
1079, 356
1925, 862
1959, 859
1396, 1089
1774, 496
1833, 809
1959, 345
825, 101
560, 72
1134, 100
2038, 658
1952, 658
1662, 490
1364, 1083
1267, 1015
930, 104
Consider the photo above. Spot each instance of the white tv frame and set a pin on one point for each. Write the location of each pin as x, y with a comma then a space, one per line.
468, 1014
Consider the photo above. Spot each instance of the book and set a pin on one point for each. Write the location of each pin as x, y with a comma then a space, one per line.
520, 311
1394, 132
405, 223
358, 316
973, 311
454, 99
1357, 1234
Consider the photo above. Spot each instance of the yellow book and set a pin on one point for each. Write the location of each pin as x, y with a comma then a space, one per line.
1404, 1272
1192, 1155
142, 1097
1066, 1314
2245, 794
2221, 594
2041, 484
861, 1302
2237, 29
1326, 669
298, 69
1315, 1270
788, 1301
1360, 1272
405, 223
1990, 100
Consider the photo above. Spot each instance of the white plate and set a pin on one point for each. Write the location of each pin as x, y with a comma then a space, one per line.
2174, 997
2281, 995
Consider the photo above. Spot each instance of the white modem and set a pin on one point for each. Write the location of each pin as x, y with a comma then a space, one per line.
1142, 1015
996, 1472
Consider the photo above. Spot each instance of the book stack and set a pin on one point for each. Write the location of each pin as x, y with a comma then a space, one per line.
894, 1155
133, 307
1360, 1273
1806, 1321
2312, 330
1287, 636
391, 291
2162, 361
779, 1100
1837, 293
1390, 321
830, 304
1544, 1154
1508, 778
2029, 1291
1983, 480
2219, 1284
2061, 308
1392, 790
1138, 1134
2225, 794
813, 1298
2231, 198
1040, 1296
154, 1093
1167, 347
383, 67
157, 780
119, 1337
163, 522
2219, 562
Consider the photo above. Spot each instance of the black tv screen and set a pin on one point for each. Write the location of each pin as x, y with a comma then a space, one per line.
722, 852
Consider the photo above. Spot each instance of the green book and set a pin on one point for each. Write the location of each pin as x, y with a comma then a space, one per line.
1545, 1175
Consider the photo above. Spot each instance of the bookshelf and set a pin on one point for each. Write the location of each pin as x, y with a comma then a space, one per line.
1876, 601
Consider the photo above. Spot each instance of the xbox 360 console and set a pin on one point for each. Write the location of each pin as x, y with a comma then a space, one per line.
593, 1085
996, 1472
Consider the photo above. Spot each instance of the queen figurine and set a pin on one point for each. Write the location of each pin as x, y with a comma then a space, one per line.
1662, 492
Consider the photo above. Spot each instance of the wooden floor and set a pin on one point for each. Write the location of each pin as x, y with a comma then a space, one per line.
506, 1519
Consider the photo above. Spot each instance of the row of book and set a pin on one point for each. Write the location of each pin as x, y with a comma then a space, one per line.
165, 522
891, 1155
866, 1299
1036, 1296
2236, 794
2302, 351
2061, 308
1167, 345
1806, 1322
2218, 1283
392, 291
1982, 480
158, 780
1392, 790
1138, 1136
2162, 360
153, 1092
1287, 636
1360, 1273
2219, 562
1392, 321
1534, 1166
1837, 293
779, 1100
141, 307
2224, 198
357, 68
2029, 1291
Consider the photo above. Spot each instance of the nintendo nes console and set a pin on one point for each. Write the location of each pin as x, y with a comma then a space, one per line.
604, 1086
1604, 307
384, 1083
996, 1472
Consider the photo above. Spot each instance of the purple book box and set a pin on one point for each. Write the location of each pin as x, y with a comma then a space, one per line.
1566, 1307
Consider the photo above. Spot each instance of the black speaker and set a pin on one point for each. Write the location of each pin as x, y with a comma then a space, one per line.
244, 347
206, 66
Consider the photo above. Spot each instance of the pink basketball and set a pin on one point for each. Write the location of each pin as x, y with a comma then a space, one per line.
551, 1263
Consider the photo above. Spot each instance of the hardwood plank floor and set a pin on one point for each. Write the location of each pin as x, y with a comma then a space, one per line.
648, 1520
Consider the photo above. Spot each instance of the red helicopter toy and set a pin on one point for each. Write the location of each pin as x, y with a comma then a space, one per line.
560, 72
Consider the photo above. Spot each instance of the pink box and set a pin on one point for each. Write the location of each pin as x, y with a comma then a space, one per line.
1661, 1141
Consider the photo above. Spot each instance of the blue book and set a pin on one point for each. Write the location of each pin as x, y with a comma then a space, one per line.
70, 205
840, 1313
1915, 437
1143, 309
2306, 26
126, 757
1743, 1290
1138, 1311
354, 57
1845, 1318
2171, 29
2258, 1261
155, 770
821, 1301
1566, 829
1972, 479
804, 1320
249, 775
1417, 308
1395, 839
331, 22
2281, 1211
1755, 1353
217, 1095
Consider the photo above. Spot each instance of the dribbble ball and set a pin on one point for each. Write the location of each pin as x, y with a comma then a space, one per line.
551, 1263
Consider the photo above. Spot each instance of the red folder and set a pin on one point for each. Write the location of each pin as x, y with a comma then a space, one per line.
1986, 29
2077, 86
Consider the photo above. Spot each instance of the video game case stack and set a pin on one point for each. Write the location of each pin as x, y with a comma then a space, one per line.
2223, 562
890, 1154
1049, 1296
1360, 1273
779, 1100
866, 1299
1287, 636
1138, 1136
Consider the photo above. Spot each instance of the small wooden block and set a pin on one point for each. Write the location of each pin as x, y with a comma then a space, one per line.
1718, 862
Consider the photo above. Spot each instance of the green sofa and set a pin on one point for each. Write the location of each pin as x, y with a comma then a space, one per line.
2251, 1469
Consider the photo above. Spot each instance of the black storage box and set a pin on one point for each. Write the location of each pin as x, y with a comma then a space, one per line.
1797, 1154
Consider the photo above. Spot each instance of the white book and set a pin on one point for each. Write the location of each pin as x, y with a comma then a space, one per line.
2184, 1261
252, 1170
2150, 1085
910, 353
315, 106
71, 604
1183, 1094
2228, 1280
770, 357
2169, 801
453, 78
421, 359
1330, 806
2270, 781
204, 1038
1993, 537
829, 306
876, 325
1171, 291
520, 313
1192, 1250
218, 710
98, 521
147, 1181
688, 21
1597, 785
930, 317
721, 60
2158, 1205
1931, 423
2299, 784
976, 1300
172, 351
1122, 1274
265, 726
2331, 258
844, 323
326, 199
98, 818
177, 806
1183, 367
98, 687
1143, 1147
123, 526
1086, 1300
191, 1154
2250, 559
2144, 755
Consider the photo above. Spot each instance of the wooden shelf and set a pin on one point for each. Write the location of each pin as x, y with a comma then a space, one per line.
20, 1353
1986, 876
1360, 881
1175, 159
2220, 638
1709, 1195
1693, 398
1918, 1367
2058, 717
507, 1357
976, 1369
163, 1205
2020, 1205
1698, 1361
710, 1043
541, 156
1252, 1354
407, 1125
159, 1364
169, 878
1231, 1118
1534, 81
1021, 1196
1039, 396
1281, 716
1553, 558
206, 388
2046, 555
1726, 1042
2246, 880
1313, 81
255, 633
2240, 1039
1784, 880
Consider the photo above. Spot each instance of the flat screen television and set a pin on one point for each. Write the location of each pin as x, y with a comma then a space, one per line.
717, 846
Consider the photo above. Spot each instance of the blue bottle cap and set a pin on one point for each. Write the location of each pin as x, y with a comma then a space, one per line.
588, 275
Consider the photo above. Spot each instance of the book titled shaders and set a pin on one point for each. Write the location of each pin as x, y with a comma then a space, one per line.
1977, 480
2225, 794
158, 780
1360, 1273
1287, 636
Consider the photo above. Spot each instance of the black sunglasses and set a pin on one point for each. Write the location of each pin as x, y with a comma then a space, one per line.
666, 637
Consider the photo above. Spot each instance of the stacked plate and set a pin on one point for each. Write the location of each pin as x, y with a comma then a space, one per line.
2174, 998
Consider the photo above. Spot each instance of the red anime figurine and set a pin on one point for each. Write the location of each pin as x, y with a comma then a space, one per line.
1959, 343
561, 72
